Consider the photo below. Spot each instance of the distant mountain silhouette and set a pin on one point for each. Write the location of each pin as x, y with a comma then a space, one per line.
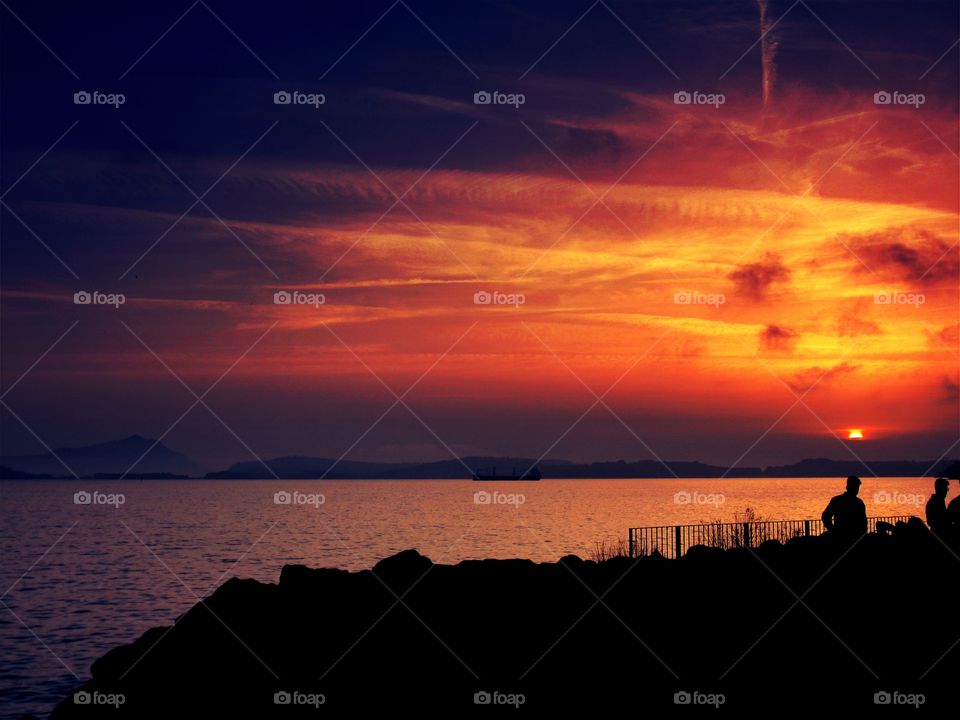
299, 467
824, 467
11, 474
952, 470
309, 467
109, 458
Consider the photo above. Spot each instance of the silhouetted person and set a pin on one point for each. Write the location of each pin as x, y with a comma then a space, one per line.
953, 518
937, 517
846, 515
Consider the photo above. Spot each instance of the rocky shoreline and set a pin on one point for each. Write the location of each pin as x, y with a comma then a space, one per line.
808, 624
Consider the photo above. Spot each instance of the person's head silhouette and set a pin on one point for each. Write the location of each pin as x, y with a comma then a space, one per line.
853, 485
940, 486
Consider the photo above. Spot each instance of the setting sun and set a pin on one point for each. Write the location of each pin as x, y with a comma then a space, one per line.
855, 434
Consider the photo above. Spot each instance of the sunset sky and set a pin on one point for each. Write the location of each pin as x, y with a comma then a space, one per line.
742, 282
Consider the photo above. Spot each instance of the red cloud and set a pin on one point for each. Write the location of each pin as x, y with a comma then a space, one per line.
778, 338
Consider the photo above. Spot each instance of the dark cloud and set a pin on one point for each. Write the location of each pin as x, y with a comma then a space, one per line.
778, 338
904, 254
950, 390
753, 280
815, 377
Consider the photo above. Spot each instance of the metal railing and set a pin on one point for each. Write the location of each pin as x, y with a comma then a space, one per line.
672, 541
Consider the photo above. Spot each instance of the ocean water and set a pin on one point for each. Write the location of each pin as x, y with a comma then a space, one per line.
79, 578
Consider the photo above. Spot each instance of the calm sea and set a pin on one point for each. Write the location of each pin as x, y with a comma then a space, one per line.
91, 565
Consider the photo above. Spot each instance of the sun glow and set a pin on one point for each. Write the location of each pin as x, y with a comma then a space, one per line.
855, 434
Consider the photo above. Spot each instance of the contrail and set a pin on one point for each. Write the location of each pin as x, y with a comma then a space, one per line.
768, 51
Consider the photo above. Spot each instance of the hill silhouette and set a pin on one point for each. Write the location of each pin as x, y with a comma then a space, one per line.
111, 459
303, 467
114, 457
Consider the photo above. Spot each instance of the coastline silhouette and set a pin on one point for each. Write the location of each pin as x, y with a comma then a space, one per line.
151, 458
811, 620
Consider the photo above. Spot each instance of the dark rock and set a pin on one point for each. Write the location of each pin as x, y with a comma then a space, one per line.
402, 570
573, 634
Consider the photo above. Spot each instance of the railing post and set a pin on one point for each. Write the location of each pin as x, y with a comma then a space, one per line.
724, 535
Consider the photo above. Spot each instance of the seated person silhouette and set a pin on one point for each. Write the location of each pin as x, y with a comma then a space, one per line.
937, 517
846, 515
